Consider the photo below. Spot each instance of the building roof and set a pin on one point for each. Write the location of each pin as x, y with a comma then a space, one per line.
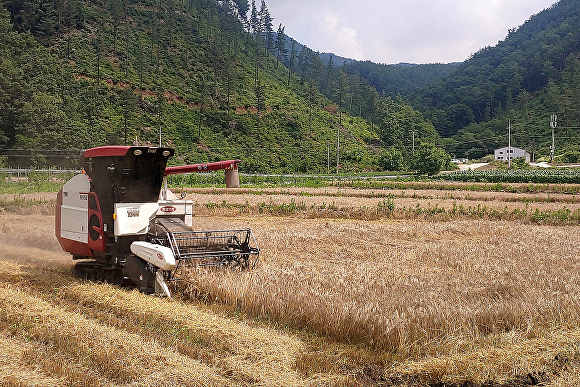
513, 147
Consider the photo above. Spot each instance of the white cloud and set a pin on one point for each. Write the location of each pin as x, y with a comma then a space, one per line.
334, 36
392, 31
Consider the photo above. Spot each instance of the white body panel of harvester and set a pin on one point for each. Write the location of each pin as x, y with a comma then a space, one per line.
74, 220
182, 209
133, 218
171, 206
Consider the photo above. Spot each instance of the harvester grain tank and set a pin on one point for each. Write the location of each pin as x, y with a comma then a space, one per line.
121, 223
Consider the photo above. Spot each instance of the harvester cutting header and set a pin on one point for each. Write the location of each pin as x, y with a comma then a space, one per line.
122, 223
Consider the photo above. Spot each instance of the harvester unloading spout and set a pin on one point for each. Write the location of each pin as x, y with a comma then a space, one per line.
121, 222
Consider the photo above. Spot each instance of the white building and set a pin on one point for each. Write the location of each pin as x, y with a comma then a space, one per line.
504, 154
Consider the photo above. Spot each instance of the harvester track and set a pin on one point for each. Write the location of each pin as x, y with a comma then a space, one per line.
98, 272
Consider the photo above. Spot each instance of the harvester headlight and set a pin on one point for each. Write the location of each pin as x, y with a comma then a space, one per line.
137, 152
166, 153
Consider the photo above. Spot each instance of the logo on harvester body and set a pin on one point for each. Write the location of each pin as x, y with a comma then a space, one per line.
168, 209
160, 256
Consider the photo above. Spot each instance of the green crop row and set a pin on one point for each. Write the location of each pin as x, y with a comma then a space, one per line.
539, 176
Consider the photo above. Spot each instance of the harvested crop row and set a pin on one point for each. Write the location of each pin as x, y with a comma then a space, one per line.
115, 354
18, 369
237, 351
260, 355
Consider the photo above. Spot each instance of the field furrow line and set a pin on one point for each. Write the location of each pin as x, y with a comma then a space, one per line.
18, 369
257, 354
115, 354
236, 351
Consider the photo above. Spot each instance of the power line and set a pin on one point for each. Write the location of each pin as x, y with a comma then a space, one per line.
41, 150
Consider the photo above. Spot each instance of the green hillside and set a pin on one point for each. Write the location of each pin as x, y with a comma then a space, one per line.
401, 79
218, 80
527, 77
201, 76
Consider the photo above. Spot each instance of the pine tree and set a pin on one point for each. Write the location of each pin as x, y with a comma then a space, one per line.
329, 76
266, 21
243, 8
291, 64
341, 93
255, 27
281, 49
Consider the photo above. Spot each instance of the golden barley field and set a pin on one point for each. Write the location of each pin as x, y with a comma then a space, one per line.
355, 287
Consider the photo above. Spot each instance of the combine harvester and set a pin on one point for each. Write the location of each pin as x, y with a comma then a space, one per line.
120, 220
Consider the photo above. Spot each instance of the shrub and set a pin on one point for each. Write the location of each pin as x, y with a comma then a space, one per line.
391, 160
430, 160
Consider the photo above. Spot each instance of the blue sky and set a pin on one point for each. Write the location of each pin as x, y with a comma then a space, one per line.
394, 31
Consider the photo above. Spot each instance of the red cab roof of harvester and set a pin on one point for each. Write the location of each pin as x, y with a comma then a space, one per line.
120, 151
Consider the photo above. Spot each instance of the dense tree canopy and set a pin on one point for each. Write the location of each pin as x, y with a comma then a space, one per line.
218, 81
200, 75
504, 82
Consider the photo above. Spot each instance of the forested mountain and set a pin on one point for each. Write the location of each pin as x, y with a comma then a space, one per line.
325, 57
403, 79
530, 75
525, 78
215, 80
206, 77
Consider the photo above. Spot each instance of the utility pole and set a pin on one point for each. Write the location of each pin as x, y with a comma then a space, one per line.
509, 143
553, 123
338, 140
159, 119
327, 158
413, 142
